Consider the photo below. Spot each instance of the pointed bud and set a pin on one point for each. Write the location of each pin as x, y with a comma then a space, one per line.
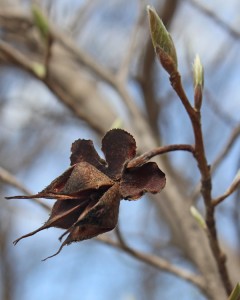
198, 80
198, 73
198, 217
162, 42
40, 21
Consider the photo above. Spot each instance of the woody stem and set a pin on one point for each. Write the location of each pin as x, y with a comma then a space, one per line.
142, 159
206, 189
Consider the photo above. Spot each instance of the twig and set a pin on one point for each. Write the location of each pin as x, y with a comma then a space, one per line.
142, 159
156, 262
8, 178
83, 58
102, 73
236, 211
233, 187
196, 192
231, 141
48, 54
176, 83
206, 187
94, 67
126, 63
80, 17
16, 57
212, 16
214, 106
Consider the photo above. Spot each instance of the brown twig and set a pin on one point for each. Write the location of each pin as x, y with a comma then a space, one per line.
206, 181
142, 159
233, 187
8, 178
156, 262
176, 83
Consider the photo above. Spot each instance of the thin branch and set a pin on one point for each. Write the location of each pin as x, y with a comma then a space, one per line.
80, 17
126, 63
82, 58
212, 16
236, 211
69, 44
48, 54
97, 69
230, 143
218, 110
176, 82
196, 192
9, 179
156, 262
233, 187
16, 57
224, 152
142, 159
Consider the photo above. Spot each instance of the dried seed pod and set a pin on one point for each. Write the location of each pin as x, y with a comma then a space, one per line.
89, 192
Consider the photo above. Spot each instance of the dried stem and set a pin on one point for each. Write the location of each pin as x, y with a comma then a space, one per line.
206, 181
142, 159
156, 262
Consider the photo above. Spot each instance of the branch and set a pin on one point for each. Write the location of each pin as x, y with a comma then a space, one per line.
231, 141
16, 57
206, 180
212, 16
233, 187
83, 58
102, 73
126, 63
214, 106
176, 82
9, 179
156, 262
142, 159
